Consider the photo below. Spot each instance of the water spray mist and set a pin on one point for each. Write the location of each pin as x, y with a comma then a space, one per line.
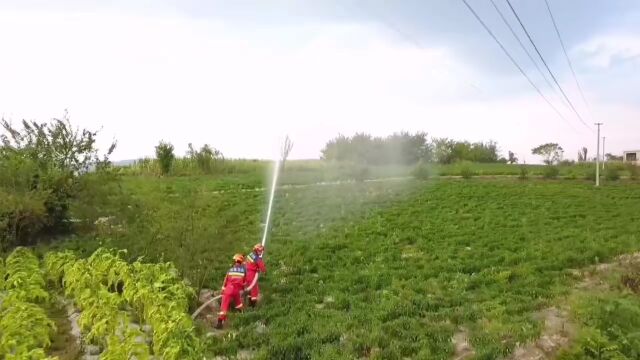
270, 206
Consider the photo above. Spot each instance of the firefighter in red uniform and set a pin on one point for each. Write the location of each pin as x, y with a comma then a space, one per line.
255, 265
234, 284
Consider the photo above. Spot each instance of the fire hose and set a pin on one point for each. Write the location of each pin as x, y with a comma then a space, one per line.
253, 283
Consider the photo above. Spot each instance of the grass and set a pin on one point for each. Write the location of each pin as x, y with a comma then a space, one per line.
382, 269
480, 254
607, 312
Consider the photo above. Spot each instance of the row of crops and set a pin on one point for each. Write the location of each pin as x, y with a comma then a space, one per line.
25, 328
127, 310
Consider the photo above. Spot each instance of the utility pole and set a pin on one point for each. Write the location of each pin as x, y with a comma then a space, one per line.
604, 154
598, 157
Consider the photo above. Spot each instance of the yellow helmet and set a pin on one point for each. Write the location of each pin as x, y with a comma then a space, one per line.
258, 248
239, 258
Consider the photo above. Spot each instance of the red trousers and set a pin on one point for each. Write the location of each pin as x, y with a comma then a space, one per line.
230, 293
255, 290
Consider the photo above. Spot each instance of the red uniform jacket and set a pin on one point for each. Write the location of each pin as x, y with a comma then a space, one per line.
236, 278
255, 263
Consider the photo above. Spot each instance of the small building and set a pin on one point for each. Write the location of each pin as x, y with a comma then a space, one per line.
632, 156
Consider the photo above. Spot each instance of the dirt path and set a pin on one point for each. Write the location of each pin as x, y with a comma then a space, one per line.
387, 179
557, 334
316, 184
65, 345
463, 348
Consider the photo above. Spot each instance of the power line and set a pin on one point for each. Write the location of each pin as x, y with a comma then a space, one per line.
546, 65
514, 61
524, 48
564, 49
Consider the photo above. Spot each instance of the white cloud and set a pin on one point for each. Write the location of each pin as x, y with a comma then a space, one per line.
149, 78
603, 51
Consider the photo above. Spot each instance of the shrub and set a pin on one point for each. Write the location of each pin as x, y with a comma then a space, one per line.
524, 173
612, 174
634, 171
590, 174
164, 153
421, 172
618, 165
22, 217
206, 159
550, 172
571, 176
41, 168
466, 172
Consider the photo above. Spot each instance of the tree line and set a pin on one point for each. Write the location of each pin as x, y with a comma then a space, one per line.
405, 148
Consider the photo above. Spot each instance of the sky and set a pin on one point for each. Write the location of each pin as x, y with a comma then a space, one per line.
241, 75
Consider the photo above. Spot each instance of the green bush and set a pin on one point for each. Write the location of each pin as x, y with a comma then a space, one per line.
571, 175
207, 159
466, 172
164, 153
609, 329
590, 174
41, 168
421, 172
550, 172
612, 174
618, 165
634, 171
524, 173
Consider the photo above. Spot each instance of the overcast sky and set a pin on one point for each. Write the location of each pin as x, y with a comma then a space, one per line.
241, 74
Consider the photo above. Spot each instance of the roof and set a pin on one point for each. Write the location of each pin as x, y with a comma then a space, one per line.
630, 151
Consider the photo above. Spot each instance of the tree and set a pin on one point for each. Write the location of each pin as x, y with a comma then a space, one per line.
165, 156
41, 170
512, 158
443, 150
206, 158
336, 149
404, 148
362, 148
551, 152
286, 150
582, 155
55, 144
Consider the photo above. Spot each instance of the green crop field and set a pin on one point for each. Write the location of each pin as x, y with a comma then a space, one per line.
388, 269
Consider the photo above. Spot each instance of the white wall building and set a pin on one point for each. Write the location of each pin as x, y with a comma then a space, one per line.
632, 156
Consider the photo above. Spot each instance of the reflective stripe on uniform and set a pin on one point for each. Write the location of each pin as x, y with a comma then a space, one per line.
236, 274
253, 257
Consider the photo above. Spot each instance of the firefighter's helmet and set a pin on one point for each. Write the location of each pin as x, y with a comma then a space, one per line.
258, 248
238, 258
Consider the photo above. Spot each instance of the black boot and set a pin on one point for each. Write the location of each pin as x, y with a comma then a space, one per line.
253, 302
219, 324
